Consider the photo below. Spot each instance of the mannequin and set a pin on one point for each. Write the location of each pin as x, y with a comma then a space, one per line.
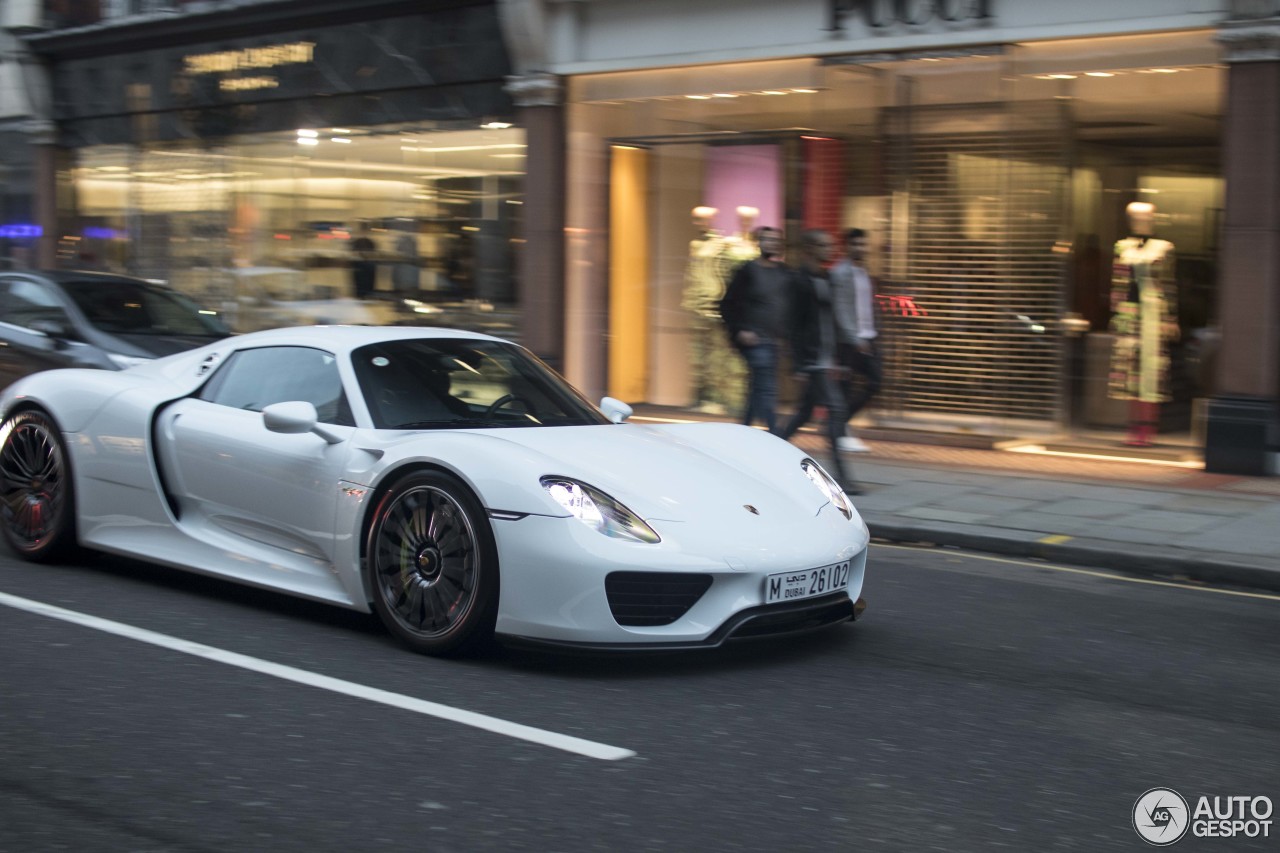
740, 246
1144, 320
716, 371
702, 279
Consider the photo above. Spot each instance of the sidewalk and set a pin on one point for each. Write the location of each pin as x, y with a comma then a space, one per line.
1141, 518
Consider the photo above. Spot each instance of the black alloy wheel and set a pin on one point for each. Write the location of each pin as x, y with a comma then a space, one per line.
433, 565
36, 508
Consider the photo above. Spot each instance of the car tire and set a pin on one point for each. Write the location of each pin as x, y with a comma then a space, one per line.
37, 507
433, 565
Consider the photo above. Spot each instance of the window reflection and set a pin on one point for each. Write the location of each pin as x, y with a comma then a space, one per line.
392, 224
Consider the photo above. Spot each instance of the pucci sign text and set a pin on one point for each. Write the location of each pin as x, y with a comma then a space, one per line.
885, 15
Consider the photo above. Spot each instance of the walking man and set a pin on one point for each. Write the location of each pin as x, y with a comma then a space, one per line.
814, 339
857, 351
754, 310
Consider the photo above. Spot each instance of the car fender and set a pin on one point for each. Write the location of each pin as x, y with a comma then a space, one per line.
73, 396
503, 474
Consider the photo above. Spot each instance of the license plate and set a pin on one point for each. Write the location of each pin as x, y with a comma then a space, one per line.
793, 586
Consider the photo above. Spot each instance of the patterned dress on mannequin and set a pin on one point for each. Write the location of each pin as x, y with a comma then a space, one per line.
1144, 319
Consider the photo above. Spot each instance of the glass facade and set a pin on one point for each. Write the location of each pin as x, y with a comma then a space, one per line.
994, 185
285, 170
290, 227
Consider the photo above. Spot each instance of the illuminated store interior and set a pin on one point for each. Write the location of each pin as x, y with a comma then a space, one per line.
274, 216
992, 181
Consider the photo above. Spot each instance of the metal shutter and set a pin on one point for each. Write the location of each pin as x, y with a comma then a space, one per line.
978, 198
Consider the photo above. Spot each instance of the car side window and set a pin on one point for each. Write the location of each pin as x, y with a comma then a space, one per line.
26, 302
255, 378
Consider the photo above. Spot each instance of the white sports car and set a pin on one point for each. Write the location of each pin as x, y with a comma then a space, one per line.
447, 480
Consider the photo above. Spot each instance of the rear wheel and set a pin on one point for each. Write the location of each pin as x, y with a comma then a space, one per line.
36, 508
433, 565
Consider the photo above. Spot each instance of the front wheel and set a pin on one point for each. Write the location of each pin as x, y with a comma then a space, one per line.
36, 508
433, 565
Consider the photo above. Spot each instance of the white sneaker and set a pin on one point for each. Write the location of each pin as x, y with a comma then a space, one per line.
850, 444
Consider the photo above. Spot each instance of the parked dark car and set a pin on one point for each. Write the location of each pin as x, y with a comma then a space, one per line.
90, 319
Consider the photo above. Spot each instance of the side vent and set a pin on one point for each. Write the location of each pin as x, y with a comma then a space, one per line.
208, 364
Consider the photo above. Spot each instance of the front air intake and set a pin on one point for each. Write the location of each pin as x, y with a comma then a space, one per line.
640, 599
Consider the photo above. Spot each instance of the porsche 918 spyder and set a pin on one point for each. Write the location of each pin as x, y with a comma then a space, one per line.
448, 481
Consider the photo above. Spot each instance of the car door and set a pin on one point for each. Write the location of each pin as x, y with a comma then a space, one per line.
30, 311
230, 476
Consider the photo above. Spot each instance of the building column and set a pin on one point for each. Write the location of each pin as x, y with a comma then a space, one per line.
26, 106
49, 158
1243, 430
540, 110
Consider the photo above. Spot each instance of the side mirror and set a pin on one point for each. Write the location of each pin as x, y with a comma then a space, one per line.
294, 418
615, 410
55, 329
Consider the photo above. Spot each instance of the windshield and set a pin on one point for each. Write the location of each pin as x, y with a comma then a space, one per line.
459, 384
136, 308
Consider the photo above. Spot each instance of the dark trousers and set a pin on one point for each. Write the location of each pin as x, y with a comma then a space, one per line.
822, 388
762, 384
865, 366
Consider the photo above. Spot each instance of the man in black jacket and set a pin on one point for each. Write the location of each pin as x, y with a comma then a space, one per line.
754, 310
814, 339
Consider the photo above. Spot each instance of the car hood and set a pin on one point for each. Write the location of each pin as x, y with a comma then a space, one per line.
678, 473
711, 491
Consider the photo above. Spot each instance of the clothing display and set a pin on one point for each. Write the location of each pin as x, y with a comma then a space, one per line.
1144, 319
718, 374
404, 275
364, 266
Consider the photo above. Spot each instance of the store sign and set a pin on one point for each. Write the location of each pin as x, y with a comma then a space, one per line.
406, 67
249, 59
882, 15
270, 56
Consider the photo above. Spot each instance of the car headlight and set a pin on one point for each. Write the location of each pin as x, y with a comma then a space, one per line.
123, 362
827, 486
598, 511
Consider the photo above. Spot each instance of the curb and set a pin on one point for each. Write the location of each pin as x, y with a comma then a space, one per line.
1128, 558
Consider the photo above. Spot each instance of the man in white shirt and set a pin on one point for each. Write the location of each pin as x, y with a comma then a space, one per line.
853, 300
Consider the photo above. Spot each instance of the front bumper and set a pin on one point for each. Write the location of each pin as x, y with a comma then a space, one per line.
555, 570
771, 620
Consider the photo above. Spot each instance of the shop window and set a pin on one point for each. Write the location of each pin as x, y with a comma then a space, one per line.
371, 225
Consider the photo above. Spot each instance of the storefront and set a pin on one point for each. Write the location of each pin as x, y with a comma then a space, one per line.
993, 180
274, 162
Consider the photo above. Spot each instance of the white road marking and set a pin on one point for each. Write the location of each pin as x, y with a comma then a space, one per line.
1090, 572
587, 748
